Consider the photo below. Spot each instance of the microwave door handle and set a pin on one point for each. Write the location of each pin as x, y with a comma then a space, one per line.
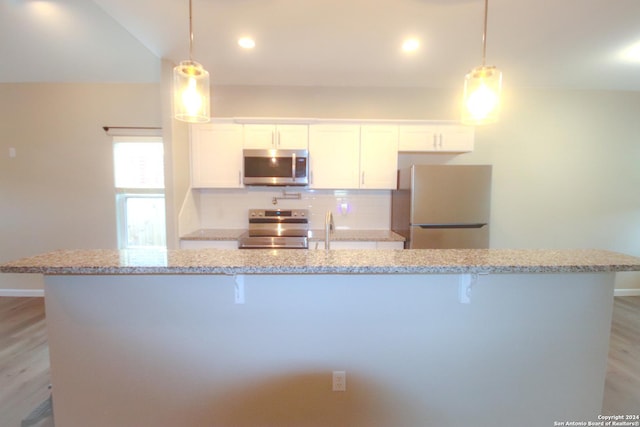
293, 166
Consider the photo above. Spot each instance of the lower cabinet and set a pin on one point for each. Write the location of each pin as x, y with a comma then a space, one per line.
208, 244
389, 245
316, 244
357, 244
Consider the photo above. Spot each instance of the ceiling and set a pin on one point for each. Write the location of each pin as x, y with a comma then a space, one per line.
576, 44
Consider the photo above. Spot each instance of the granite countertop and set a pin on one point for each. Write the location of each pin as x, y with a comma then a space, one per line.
270, 261
314, 235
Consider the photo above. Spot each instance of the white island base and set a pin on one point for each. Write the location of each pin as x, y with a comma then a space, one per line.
178, 350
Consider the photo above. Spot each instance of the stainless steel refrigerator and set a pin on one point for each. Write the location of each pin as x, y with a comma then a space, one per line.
443, 206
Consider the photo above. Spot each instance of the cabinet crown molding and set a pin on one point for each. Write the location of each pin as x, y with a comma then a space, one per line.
315, 120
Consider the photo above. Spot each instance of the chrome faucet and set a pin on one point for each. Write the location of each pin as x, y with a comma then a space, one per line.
329, 226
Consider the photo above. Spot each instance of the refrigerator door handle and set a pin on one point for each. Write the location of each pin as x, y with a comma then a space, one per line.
472, 225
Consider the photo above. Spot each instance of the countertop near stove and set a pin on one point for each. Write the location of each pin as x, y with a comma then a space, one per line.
222, 234
269, 261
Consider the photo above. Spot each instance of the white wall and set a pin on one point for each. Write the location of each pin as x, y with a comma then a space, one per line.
58, 190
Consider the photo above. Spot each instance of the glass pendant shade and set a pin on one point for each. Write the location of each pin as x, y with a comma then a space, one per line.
482, 87
191, 96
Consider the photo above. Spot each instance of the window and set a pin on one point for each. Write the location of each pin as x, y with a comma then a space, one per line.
139, 184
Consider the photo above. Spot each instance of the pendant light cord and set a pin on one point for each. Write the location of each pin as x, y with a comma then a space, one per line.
484, 33
191, 34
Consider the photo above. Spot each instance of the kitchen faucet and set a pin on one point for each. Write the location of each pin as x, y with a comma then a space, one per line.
329, 226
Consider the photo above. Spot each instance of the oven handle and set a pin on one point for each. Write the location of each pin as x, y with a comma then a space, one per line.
278, 221
300, 245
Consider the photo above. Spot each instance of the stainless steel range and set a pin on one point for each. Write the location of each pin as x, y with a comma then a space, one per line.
281, 229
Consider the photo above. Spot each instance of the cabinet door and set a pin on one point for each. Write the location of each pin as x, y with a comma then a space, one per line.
456, 138
378, 156
292, 137
342, 244
389, 245
417, 138
259, 136
334, 154
208, 244
262, 136
432, 138
348, 244
216, 156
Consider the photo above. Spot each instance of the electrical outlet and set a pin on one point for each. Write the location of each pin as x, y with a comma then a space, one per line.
339, 381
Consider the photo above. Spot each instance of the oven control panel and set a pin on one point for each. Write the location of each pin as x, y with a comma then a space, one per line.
278, 213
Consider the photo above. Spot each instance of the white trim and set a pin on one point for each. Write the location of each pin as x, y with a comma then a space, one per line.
315, 120
627, 293
21, 292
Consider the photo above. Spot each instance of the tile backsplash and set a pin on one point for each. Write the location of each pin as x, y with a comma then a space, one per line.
352, 209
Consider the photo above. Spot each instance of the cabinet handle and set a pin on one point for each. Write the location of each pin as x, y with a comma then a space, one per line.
311, 177
441, 137
273, 143
240, 177
278, 139
362, 178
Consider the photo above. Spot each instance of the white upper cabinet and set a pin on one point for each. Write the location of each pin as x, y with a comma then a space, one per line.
216, 155
342, 154
334, 155
378, 156
267, 136
436, 138
352, 156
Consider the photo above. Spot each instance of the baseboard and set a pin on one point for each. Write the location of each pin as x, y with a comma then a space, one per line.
21, 292
627, 292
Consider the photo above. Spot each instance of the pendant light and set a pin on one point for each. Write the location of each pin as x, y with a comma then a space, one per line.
191, 97
482, 87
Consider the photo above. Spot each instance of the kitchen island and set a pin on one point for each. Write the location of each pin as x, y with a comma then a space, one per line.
253, 338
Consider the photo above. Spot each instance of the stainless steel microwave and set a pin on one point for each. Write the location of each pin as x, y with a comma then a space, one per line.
276, 167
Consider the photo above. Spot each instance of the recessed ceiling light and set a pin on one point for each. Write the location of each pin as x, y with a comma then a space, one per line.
246, 43
410, 45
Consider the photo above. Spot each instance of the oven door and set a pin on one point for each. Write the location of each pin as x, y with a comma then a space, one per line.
276, 167
266, 242
290, 227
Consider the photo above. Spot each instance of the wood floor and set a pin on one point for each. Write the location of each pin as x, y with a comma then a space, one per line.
24, 359
622, 386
